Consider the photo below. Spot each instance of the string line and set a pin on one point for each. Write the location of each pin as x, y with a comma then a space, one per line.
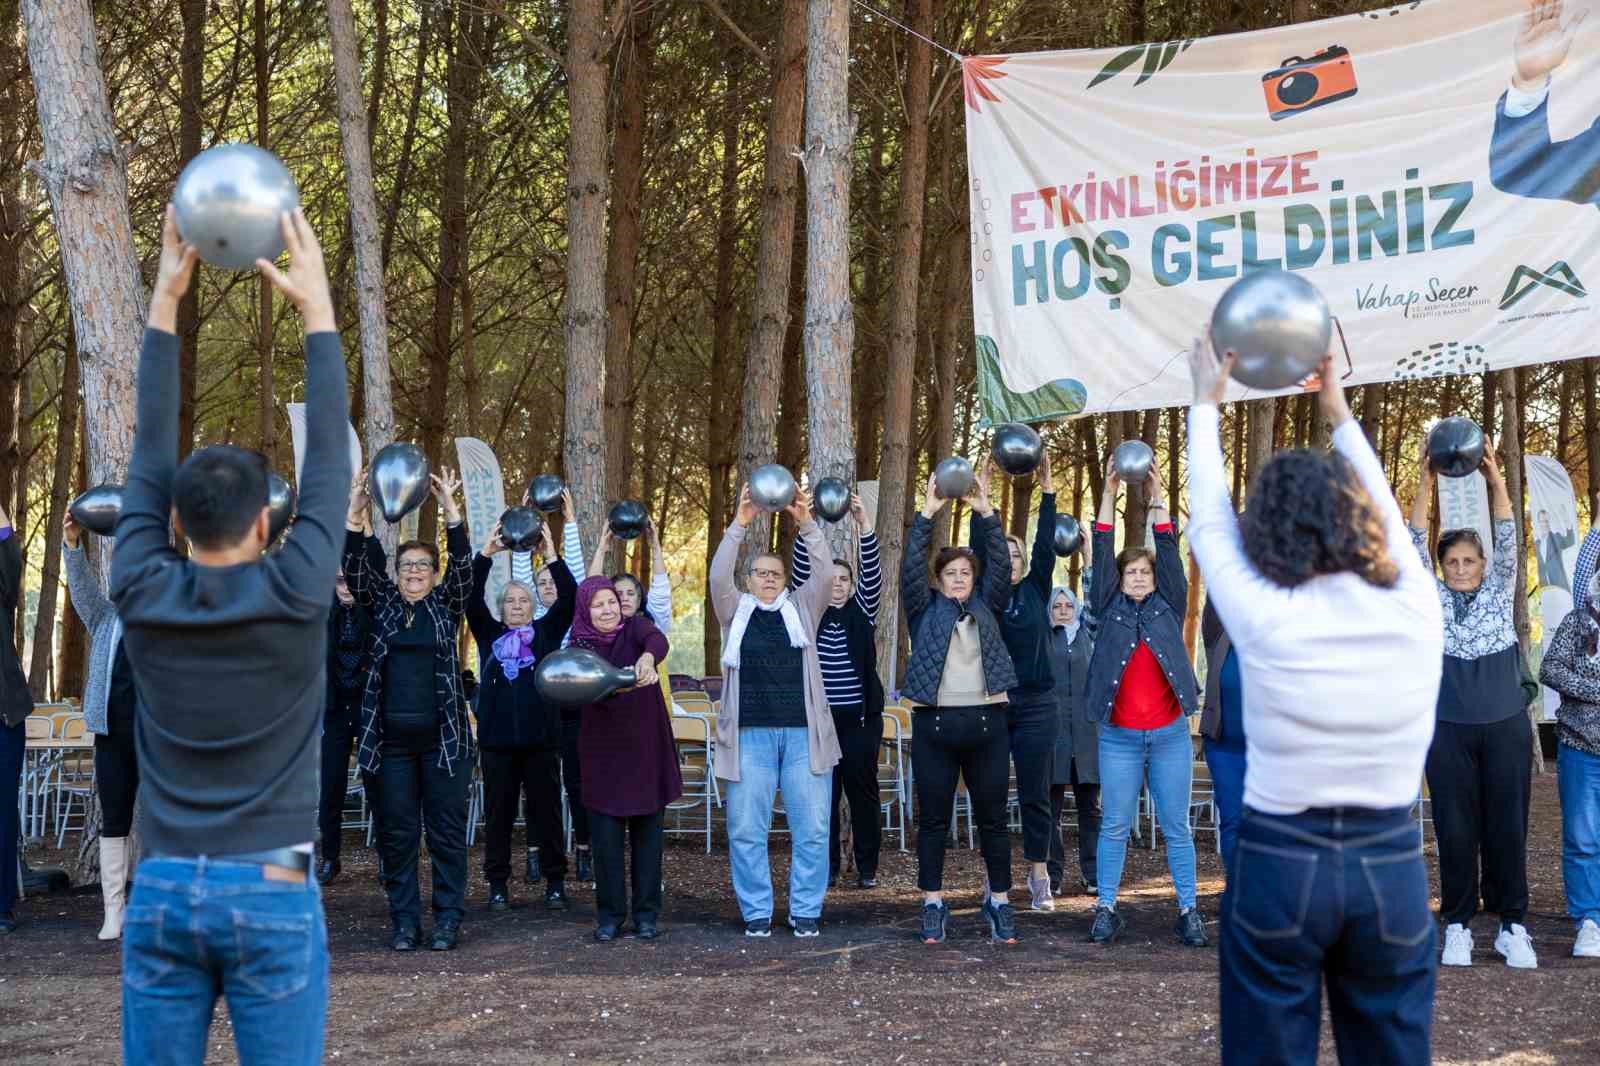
895, 22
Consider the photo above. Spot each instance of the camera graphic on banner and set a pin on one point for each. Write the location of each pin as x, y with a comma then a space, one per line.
1300, 84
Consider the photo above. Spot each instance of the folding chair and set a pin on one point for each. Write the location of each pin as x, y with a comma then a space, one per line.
892, 779
693, 736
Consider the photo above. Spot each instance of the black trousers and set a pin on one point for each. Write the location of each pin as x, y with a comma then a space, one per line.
116, 776
415, 792
341, 727
1086, 799
1032, 722
644, 839
13, 746
856, 779
1479, 779
572, 778
948, 744
508, 774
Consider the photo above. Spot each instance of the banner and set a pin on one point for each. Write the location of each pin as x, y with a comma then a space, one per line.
1446, 215
1464, 504
485, 494
1553, 515
297, 433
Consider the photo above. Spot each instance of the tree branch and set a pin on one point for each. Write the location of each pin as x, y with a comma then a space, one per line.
733, 27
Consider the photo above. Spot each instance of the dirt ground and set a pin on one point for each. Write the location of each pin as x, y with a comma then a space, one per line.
529, 986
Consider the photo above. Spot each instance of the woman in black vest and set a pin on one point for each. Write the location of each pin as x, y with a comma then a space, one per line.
519, 735
848, 651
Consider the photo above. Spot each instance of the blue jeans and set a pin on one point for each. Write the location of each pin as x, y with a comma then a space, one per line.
1126, 757
199, 927
770, 761
1227, 792
1578, 778
1336, 894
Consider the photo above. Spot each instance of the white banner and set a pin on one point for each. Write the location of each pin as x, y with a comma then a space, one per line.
1446, 216
485, 493
1553, 514
1464, 504
297, 433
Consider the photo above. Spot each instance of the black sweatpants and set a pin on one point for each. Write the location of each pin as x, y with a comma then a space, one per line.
341, 726
1086, 800
1032, 722
1479, 778
948, 744
415, 792
571, 777
644, 840
856, 779
508, 774
116, 775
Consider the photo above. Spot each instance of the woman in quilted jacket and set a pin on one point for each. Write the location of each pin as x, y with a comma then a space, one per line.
957, 680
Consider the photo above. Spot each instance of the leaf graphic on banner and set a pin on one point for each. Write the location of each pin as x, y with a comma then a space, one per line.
1119, 63
1061, 398
975, 70
1157, 57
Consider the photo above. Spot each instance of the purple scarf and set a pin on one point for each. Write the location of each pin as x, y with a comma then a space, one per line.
514, 650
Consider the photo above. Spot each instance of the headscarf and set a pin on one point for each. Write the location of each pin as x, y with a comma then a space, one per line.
748, 605
1071, 628
584, 634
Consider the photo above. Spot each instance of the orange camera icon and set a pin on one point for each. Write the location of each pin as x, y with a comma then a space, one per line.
1299, 84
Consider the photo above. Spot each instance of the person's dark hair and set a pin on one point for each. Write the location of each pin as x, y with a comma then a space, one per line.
1129, 555
846, 567
219, 492
638, 591
1309, 514
948, 555
417, 546
1451, 537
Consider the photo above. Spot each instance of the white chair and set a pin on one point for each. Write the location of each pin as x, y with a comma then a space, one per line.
892, 779
696, 763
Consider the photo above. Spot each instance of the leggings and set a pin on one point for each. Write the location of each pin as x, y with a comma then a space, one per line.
116, 773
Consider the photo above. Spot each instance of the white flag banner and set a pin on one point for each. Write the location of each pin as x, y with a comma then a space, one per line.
1464, 504
297, 433
1553, 514
1385, 157
485, 502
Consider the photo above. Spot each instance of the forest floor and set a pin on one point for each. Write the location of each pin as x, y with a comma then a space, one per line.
529, 986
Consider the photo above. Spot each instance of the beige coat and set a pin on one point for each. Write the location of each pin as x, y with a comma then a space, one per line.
810, 599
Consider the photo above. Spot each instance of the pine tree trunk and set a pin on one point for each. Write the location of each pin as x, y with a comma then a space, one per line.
268, 404
1511, 449
770, 310
60, 492
584, 310
191, 68
829, 321
1259, 444
377, 403
954, 291
14, 126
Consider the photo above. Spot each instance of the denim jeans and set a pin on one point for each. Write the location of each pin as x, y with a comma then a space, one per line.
199, 927
770, 761
1126, 757
1578, 778
1227, 792
1337, 895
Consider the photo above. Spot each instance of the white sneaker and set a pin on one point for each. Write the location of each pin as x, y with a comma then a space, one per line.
1517, 946
1457, 946
1587, 946
1039, 895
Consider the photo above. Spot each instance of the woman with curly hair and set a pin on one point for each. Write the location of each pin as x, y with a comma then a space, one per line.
1480, 764
1336, 626
1141, 691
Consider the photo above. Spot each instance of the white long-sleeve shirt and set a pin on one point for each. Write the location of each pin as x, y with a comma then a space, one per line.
1340, 676
571, 551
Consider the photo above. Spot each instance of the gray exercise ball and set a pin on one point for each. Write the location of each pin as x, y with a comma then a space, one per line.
230, 202
1277, 323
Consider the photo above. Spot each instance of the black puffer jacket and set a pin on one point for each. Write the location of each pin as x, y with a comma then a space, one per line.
931, 616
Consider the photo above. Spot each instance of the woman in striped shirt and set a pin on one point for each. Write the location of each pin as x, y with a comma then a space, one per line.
847, 651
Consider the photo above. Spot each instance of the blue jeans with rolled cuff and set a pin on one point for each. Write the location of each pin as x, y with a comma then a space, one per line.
200, 928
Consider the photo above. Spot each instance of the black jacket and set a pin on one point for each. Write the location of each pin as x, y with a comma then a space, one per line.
1025, 622
364, 635
16, 701
510, 713
1156, 621
931, 616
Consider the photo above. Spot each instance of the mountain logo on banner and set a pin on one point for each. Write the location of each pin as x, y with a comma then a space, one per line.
1525, 279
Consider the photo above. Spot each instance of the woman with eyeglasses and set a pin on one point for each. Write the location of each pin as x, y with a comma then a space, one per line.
415, 736
1479, 766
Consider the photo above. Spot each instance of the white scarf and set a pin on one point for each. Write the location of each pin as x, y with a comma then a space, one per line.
748, 605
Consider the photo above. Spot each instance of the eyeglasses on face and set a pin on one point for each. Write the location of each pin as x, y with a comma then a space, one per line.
414, 566
771, 575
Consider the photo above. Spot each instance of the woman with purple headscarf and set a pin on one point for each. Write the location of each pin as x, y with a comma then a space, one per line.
629, 761
519, 735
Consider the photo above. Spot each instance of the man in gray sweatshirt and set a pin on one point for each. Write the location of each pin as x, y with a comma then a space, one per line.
228, 650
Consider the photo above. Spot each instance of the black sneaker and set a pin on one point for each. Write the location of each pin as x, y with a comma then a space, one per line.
8, 924
869, 881
585, 866
645, 928
1191, 929
328, 871
1002, 921
555, 897
1108, 925
405, 938
804, 926
499, 896
934, 917
759, 927
533, 865
446, 933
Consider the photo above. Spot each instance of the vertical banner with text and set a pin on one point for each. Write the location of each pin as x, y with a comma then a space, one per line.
485, 503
